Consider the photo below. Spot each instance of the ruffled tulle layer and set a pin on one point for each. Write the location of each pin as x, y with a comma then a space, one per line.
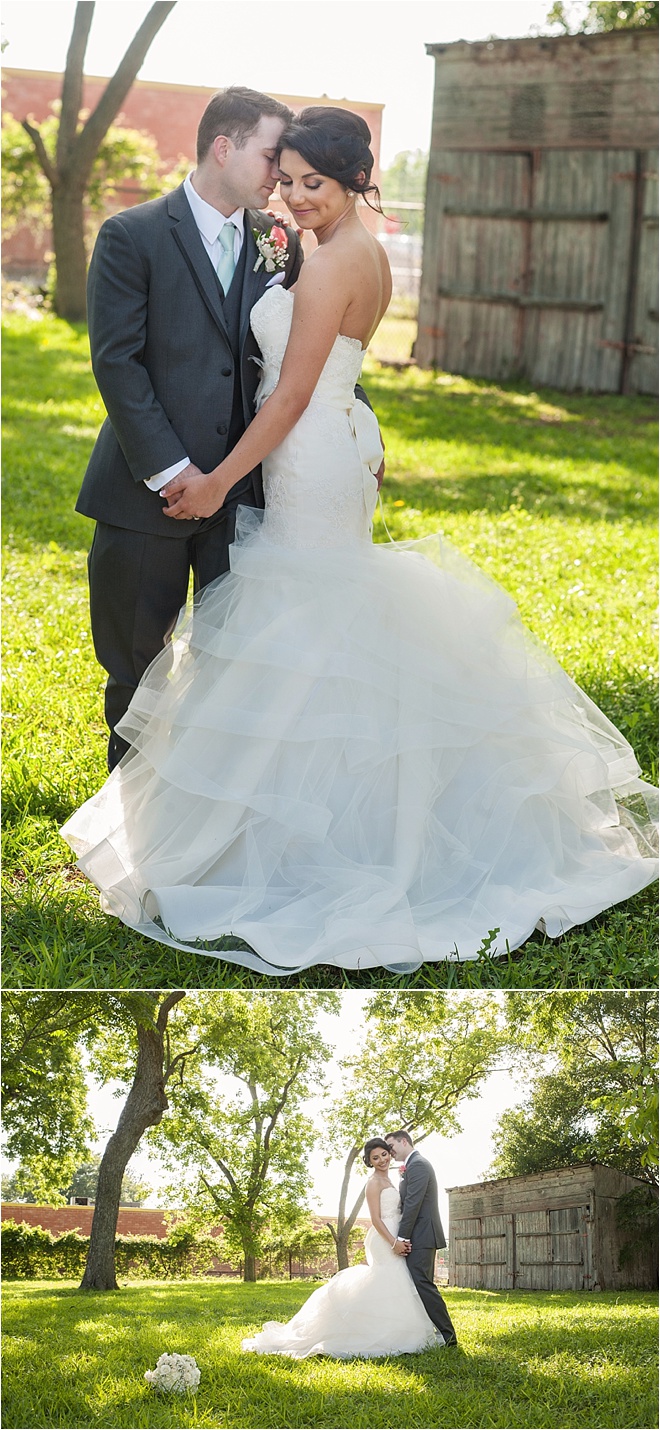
359, 756
371, 1310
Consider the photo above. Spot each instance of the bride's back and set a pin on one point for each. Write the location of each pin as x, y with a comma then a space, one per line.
371, 289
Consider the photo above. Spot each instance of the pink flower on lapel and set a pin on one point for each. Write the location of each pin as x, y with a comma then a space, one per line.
272, 248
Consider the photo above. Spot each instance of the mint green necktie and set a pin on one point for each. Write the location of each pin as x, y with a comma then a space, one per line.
227, 263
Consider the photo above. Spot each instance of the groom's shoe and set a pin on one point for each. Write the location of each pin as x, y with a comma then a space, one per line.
451, 1341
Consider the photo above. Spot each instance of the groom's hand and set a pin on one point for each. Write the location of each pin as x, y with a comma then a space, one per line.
402, 1248
190, 495
176, 484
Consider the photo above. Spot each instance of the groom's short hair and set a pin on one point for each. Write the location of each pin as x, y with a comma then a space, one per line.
402, 1136
236, 112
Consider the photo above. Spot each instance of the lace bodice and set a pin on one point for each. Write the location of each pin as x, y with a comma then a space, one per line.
270, 320
377, 1247
319, 484
389, 1204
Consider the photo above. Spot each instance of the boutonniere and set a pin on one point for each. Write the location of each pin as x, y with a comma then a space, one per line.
272, 247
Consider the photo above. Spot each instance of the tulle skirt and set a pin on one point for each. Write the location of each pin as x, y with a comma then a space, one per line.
371, 1310
358, 755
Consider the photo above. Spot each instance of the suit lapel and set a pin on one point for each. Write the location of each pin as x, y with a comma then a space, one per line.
186, 235
254, 284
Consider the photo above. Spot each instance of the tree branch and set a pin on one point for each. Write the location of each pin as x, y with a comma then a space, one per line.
350, 1219
180, 1058
72, 84
166, 1007
40, 149
86, 146
282, 1102
227, 1173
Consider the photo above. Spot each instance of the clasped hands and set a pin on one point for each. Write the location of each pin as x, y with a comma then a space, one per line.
193, 494
402, 1247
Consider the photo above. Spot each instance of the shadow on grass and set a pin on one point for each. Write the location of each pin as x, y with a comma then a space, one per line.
57, 936
608, 431
47, 445
528, 1360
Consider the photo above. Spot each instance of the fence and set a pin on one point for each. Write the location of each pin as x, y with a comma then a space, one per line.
400, 232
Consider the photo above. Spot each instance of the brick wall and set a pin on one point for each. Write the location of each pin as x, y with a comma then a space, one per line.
169, 112
133, 1221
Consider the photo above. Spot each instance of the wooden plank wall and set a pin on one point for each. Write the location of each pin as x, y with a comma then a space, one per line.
555, 1231
561, 92
540, 244
643, 337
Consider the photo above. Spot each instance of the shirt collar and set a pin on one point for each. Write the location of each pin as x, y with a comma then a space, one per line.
209, 221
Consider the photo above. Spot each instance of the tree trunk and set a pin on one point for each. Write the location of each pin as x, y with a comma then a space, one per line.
345, 1223
341, 1244
144, 1107
69, 175
250, 1267
70, 298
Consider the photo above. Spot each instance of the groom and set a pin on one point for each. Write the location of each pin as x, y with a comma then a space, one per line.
171, 285
420, 1225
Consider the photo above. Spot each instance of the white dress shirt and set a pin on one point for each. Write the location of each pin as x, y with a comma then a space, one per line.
209, 222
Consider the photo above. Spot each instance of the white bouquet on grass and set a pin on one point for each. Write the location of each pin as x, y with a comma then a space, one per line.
174, 1372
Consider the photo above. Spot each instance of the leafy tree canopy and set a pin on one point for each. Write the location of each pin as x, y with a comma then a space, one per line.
17, 1187
46, 1036
599, 15
237, 1141
126, 157
405, 177
598, 1098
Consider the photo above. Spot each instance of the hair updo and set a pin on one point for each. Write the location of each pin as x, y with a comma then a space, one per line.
336, 144
371, 1145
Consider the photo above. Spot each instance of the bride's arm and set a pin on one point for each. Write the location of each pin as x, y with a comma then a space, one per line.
322, 295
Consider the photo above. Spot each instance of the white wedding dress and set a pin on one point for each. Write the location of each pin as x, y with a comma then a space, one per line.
371, 1310
355, 753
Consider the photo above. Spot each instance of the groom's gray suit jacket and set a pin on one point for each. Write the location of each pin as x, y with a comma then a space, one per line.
419, 1204
176, 379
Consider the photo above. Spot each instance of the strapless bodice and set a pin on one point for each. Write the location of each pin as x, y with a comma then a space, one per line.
270, 320
377, 1248
389, 1204
319, 483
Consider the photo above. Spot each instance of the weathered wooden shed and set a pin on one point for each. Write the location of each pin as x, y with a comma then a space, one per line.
541, 228
549, 1231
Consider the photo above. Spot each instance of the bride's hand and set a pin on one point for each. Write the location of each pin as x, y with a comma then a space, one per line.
193, 494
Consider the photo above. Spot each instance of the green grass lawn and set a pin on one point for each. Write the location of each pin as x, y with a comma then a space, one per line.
553, 495
525, 1359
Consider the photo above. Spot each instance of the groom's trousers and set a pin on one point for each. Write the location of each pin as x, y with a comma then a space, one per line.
138, 584
421, 1265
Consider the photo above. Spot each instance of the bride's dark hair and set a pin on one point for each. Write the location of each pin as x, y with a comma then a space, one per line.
336, 143
370, 1146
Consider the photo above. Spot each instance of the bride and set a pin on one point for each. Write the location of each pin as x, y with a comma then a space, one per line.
371, 1310
353, 754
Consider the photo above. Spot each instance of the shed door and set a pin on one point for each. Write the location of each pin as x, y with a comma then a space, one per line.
533, 265
483, 1252
533, 1252
551, 1252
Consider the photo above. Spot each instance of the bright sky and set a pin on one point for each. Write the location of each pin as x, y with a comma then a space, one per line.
457, 1160
354, 49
